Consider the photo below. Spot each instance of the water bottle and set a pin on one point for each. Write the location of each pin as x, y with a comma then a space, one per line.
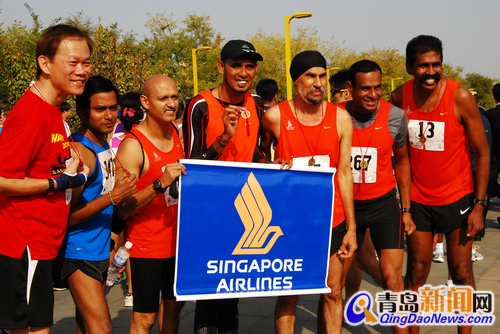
119, 261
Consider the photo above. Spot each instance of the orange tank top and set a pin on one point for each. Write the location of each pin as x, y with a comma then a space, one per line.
153, 230
323, 139
375, 177
241, 147
439, 150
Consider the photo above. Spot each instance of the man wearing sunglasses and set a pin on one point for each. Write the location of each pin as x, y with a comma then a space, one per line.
338, 87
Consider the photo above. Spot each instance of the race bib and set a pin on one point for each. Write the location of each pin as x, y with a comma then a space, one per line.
169, 199
316, 161
105, 161
368, 165
426, 135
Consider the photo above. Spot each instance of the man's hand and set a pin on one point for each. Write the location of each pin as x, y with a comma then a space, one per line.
230, 118
70, 178
125, 186
349, 244
409, 224
172, 171
475, 221
285, 164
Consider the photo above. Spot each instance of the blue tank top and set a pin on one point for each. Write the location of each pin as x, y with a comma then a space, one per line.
90, 240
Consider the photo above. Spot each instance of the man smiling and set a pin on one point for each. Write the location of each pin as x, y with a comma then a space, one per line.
223, 124
34, 207
443, 118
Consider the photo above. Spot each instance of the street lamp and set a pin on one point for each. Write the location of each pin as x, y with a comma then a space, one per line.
392, 82
195, 67
328, 80
288, 57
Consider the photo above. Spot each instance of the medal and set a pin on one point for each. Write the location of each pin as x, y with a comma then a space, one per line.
311, 162
364, 164
245, 113
423, 139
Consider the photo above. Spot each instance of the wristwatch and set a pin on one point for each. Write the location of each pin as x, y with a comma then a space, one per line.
157, 186
480, 201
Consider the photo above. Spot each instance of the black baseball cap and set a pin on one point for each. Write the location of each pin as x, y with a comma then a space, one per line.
238, 47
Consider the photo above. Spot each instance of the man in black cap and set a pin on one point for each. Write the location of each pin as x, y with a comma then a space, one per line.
223, 124
313, 132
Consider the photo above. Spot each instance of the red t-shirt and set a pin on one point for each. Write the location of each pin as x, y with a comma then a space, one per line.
153, 230
33, 144
323, 139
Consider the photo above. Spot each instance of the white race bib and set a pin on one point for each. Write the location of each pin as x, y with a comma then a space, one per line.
105, 161
369, 166
426, 133
319, 161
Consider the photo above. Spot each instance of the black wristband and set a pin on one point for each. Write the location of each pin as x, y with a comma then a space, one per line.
51, 189
481, 201
403, 210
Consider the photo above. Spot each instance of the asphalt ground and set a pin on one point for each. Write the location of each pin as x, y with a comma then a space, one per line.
257, 314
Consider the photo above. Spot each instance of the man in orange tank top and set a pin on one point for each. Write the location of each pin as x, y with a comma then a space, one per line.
380, 130
223, 124
443, 117
314, 132
151, 151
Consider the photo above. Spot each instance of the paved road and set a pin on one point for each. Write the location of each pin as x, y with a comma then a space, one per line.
256, 314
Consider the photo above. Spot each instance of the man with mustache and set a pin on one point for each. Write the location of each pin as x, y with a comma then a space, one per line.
223, 124
151, 151
380, 131
314, 132
442, 118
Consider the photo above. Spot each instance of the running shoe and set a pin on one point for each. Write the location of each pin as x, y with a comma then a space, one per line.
476, 256
129, 300
438, 257
121, 279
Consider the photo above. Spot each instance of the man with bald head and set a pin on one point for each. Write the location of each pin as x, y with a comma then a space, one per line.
314, 132
151, 151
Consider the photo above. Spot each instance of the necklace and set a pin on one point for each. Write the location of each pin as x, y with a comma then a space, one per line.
39, 91
423, 131
364, 163
311, 161
243, 111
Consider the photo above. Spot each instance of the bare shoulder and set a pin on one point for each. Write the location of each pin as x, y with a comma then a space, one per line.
463, 95
397, 97
129, 155
272, 115
343, 115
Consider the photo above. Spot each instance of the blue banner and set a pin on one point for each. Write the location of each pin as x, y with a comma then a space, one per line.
248, 230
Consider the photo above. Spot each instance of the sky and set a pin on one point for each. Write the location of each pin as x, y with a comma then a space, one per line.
465, 27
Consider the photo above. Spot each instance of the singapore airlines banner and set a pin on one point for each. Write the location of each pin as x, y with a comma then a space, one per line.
248, 230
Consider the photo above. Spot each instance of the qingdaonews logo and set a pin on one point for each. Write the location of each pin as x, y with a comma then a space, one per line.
255, 214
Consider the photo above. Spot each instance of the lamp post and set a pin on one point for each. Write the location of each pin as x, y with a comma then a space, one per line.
328, 80
195, 67
392, 82
288, 57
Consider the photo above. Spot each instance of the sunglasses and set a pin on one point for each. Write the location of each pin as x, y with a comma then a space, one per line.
333, 92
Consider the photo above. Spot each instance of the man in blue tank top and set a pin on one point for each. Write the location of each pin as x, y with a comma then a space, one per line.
85, 249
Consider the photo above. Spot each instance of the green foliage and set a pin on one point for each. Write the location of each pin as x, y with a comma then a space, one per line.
119, 56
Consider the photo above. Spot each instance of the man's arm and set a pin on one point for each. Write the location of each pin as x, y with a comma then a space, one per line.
125, 186
403, 176
345, 182
130, 156
29, 186
269, 130
467, 114
397, 97
197, 122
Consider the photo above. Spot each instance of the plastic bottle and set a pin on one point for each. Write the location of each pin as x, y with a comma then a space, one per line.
118, 262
